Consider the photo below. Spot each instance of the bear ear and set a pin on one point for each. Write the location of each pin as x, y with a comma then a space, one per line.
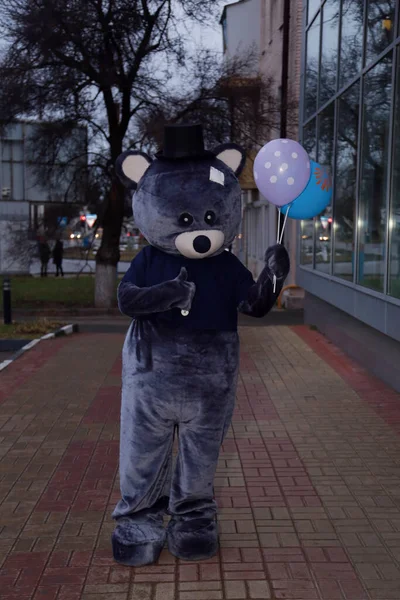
130, 167
232, 155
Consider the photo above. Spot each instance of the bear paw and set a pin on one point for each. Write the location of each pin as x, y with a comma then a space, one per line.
193, 539
137, 544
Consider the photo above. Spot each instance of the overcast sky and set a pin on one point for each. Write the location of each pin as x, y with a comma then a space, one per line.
208, 37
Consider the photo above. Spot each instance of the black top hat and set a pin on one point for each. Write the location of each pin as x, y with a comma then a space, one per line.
184, 141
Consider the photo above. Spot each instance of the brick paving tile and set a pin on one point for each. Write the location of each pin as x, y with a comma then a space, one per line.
308, 481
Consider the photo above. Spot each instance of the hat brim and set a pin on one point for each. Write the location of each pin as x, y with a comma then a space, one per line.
185, 156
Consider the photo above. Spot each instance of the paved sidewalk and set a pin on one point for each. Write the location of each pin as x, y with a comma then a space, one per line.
308, 482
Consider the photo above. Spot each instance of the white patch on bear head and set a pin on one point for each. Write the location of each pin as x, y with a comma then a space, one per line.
217, 176
185, 242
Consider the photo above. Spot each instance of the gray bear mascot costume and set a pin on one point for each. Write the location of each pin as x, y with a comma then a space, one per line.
181, 353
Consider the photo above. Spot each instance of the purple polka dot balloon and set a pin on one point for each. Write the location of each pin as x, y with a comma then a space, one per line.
282, 171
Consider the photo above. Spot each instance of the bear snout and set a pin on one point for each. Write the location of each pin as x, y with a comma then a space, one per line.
202, 244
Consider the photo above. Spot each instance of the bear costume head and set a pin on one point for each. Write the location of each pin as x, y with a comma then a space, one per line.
187, 200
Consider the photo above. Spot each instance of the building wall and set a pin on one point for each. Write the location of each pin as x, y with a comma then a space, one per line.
18, 160
294, 86
271, 59
243, 27
376, 351
263, 27
258, 230
22, 198
271, 55
16, 250
271, 50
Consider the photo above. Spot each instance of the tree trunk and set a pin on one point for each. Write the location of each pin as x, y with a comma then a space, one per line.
105, 285
108, 256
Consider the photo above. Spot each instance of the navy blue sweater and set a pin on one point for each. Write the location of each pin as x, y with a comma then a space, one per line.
222, 283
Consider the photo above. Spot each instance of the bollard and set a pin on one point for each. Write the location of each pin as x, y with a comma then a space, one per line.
7, 301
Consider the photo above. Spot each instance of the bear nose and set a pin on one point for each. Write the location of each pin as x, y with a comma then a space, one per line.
201, 244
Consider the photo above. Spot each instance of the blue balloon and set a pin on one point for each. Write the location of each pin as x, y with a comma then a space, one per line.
315, 198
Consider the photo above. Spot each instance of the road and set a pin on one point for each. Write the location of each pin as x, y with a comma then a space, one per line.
74, 266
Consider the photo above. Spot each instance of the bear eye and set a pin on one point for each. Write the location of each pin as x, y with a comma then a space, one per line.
210, 217
185, 220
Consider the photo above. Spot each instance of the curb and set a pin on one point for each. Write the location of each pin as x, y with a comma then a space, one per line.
66, 330
66, 312
70, 313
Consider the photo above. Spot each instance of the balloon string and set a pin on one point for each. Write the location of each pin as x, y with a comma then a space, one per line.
277, 241
284, 224
279, 223
279, 238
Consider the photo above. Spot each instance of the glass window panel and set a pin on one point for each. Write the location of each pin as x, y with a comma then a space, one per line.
309, 143
345, 183
323, 223
311, 79
313, 6
306, 242
6, 150
14, 132
6, 179
34, 192
18, 181
351, 45
17, 151
372, 211
380, 26
310, 139
394, 221
330, 38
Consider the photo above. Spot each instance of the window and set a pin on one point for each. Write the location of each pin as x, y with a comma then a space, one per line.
313, 6
306, 242
18, 181
224, 33
306, 239
326, 133
323, 223
311, 80
394, 220
345, 183
17, 151
310, 139
351, 45
36, 216
380, 26
329, 51
348, 123
372, 210
273, 23
6, 149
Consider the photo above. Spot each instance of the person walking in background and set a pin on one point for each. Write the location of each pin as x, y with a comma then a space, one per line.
58, 252
44, 255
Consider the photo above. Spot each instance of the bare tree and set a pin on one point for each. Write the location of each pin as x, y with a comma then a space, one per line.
97, 63
231, 104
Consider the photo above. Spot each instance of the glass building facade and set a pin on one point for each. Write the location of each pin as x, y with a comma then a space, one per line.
350, 121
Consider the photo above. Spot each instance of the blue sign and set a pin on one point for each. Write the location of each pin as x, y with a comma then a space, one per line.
62, 221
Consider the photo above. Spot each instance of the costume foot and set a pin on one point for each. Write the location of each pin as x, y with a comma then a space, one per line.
193, 539
137, 543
